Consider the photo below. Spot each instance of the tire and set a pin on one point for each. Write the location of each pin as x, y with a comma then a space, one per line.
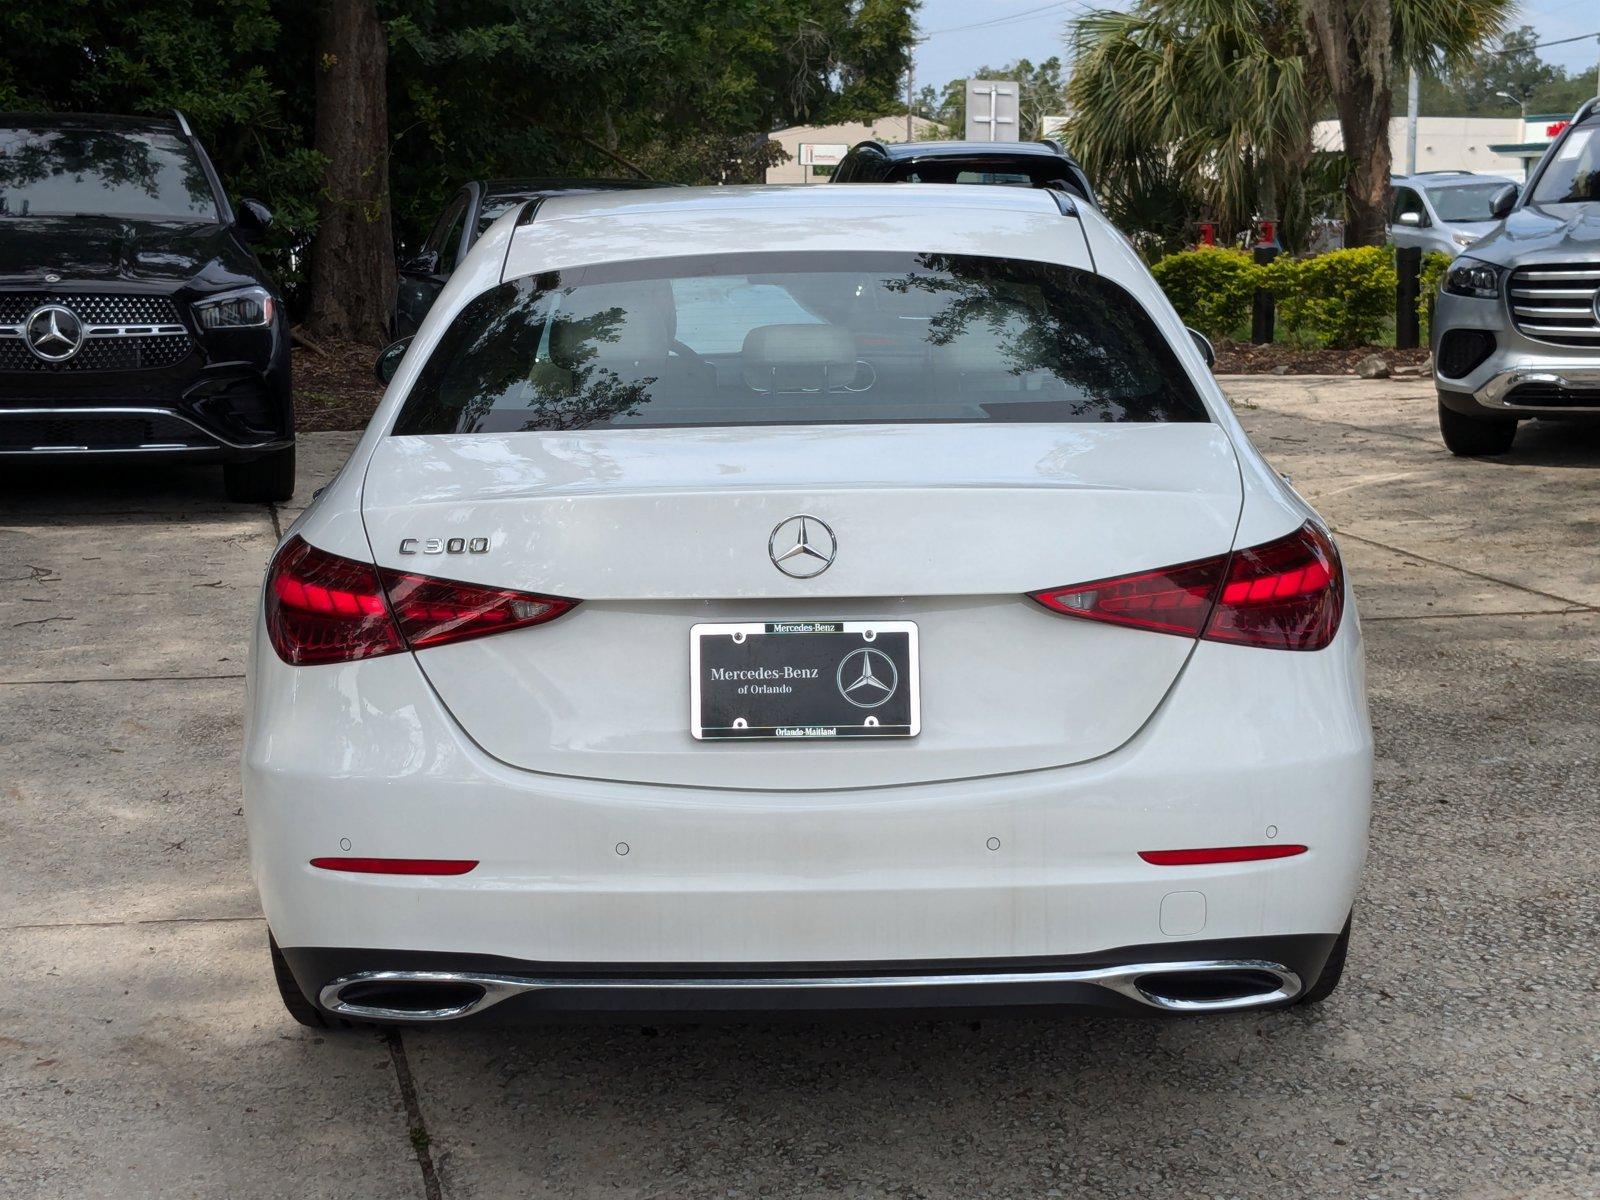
1332, 970
1475, 437
301, 1009
261, 480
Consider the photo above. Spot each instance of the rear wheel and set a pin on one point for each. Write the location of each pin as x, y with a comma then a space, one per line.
1471, 437
261, 480
300, 1008
1332, 970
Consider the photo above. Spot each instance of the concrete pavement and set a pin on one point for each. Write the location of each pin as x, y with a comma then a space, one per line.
143, 1051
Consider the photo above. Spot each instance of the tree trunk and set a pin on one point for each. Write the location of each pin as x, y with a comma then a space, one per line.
352, 258
1352, 39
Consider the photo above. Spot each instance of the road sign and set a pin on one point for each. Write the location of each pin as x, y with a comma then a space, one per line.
822, 154
993, 106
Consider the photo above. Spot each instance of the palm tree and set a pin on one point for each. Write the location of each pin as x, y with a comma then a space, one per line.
1224, 94
1359, 45
1218, 93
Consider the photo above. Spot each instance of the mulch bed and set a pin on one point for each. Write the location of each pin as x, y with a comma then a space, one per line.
335, 389
1242, 358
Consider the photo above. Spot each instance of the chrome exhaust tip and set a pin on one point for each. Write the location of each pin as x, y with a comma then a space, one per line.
1199, 986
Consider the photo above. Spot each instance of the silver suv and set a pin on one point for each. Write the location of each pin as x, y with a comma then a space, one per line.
1516, 329
1443, 211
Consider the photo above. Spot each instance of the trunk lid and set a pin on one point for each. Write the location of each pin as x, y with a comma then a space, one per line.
948, 526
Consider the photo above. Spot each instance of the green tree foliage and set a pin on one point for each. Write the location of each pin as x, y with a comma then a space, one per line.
476, 88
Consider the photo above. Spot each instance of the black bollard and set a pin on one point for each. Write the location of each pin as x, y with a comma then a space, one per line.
1264, 314
1407, 284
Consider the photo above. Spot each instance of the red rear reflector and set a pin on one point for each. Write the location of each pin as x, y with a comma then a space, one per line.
322, 608
1283, 595
1218, 854
398, 866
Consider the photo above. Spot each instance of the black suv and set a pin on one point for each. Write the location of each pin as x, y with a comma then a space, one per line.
1043, 164
134, 318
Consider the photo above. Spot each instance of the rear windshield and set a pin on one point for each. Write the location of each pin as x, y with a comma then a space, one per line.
778, 339
102, 172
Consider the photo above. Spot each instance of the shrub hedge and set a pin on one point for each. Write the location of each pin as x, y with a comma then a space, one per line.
1212, 288
1342, 298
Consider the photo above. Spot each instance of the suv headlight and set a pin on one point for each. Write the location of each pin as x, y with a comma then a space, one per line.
1469, 277
247, 308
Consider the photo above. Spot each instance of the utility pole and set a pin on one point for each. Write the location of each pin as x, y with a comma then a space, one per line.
1411, 123
911, 77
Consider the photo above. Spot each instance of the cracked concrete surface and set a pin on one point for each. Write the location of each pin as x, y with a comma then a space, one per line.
143, 1051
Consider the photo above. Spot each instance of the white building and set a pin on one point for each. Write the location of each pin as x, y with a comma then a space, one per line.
1491, 145
815, 149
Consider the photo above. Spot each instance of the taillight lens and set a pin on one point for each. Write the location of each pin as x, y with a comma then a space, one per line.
324, 608
1284, 595
432, 612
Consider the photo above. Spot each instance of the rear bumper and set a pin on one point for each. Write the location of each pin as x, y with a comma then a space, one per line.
1037, 867
1207, 976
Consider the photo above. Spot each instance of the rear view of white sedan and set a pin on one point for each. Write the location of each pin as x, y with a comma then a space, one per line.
817, 598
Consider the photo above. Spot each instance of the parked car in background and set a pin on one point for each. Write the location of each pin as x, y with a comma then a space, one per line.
1018, 164
1516, 327
1443, 211
805, 598
134, 317
472, 210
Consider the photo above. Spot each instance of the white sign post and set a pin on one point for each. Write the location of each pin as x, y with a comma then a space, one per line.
993, 108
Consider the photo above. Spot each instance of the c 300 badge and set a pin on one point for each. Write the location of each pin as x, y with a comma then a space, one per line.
477, 545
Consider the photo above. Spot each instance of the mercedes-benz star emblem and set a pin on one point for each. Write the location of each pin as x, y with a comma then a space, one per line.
802, 546
867, 677
54, 333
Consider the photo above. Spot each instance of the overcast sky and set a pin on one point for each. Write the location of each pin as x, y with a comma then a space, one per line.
966, 34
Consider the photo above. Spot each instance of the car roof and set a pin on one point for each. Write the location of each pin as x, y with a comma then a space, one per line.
553, 186
760, 199
1446, 179
87, 121
905, 151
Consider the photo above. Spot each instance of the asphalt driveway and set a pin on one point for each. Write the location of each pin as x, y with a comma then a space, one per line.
143, 1051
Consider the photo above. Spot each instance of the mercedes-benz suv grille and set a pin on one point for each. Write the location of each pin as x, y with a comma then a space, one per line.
121, 332
1555, 302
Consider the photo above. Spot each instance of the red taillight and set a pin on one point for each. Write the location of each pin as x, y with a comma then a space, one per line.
1218, 854
1285, 595
322, 608
397, 866
432, 612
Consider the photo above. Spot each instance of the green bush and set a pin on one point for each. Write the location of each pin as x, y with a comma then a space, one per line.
1342, 298
1434, 265
1211, 288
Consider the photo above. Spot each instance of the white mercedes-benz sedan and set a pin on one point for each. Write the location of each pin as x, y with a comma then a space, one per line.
754, 599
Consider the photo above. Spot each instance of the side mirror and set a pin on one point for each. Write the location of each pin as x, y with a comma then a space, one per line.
388, 360
426, 263
252, 219
1203, 344
1413, 219
1504, 201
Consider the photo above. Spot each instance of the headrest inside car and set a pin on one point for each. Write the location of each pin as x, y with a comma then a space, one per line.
798, 358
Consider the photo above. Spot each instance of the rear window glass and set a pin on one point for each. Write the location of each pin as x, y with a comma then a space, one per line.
771, 339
